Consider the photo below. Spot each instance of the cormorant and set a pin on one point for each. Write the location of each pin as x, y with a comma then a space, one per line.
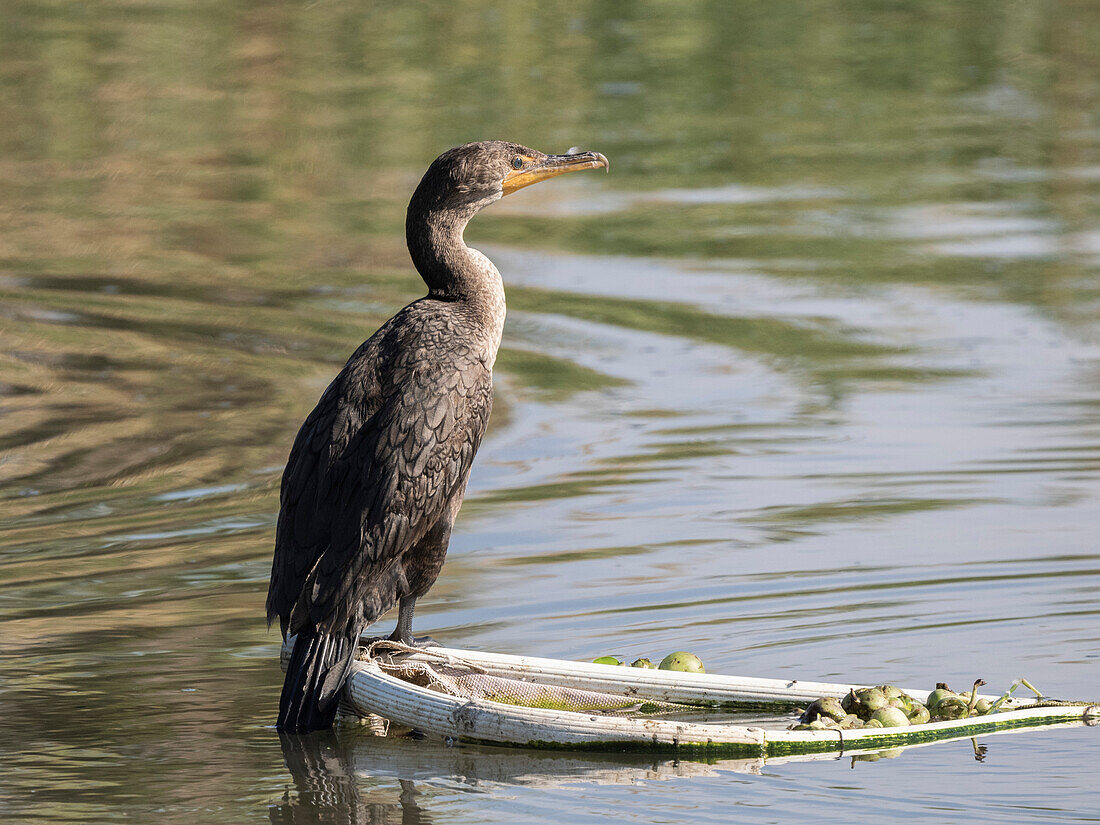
379, 468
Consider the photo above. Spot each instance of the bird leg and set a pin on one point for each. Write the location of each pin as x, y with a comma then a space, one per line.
403, 632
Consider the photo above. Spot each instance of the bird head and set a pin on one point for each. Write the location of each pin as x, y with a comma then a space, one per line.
459, 184
470, 177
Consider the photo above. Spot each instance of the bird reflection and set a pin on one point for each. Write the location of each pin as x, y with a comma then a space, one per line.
326, 790
375, 774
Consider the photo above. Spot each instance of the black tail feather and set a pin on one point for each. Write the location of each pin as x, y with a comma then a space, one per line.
318, 667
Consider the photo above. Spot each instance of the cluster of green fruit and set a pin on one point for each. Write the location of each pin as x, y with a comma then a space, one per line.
680, 660
887, 706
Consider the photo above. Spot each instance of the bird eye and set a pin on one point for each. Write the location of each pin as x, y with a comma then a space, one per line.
517, 162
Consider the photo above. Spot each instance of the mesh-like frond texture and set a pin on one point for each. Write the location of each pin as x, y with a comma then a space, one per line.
455, 680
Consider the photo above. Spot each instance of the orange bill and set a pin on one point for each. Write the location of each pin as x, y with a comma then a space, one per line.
551, 166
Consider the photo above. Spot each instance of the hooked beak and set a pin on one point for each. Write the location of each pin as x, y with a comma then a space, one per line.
552, 166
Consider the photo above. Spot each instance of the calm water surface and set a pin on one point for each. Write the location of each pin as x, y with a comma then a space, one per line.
809, 385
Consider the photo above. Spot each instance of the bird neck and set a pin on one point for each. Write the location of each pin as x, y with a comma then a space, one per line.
453, 271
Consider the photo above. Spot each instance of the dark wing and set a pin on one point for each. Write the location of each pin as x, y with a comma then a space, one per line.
368, 501
306, 505
397, 480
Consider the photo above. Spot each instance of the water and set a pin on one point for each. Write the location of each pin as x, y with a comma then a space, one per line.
807, 385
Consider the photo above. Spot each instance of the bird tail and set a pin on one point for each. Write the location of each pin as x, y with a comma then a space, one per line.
318, 667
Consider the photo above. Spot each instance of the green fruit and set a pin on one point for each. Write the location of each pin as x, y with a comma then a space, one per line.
902, 703
826, 707
851, 722
983, 706
971, 698
830, 706
872, 723
951, 707
606, 660
642, 663
891, 691
938, 695
919, 714
891, 717
682, 661
850, 702
871, 699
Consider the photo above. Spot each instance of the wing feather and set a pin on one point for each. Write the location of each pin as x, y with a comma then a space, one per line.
372, 469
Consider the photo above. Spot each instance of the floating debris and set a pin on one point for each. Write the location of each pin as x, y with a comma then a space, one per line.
888, 706
683, 661
606, 660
